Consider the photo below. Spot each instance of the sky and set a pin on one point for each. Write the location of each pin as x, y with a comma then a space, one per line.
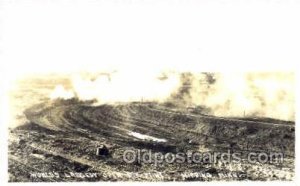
71, 36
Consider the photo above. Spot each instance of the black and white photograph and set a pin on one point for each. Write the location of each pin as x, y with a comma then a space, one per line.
149, 92
169, 127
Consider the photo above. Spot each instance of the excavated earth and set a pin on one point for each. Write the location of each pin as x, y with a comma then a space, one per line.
60, 140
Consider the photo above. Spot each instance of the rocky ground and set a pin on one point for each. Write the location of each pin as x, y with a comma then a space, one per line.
60, 139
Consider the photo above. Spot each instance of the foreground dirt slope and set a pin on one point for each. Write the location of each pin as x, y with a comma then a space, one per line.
62, 137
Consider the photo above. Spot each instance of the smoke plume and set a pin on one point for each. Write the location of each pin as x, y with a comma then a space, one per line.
122, 87
269, 94
241, 94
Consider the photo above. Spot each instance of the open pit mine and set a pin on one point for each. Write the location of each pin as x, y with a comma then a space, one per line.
69, 140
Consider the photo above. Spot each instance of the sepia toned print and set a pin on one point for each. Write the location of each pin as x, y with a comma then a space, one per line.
167, 126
